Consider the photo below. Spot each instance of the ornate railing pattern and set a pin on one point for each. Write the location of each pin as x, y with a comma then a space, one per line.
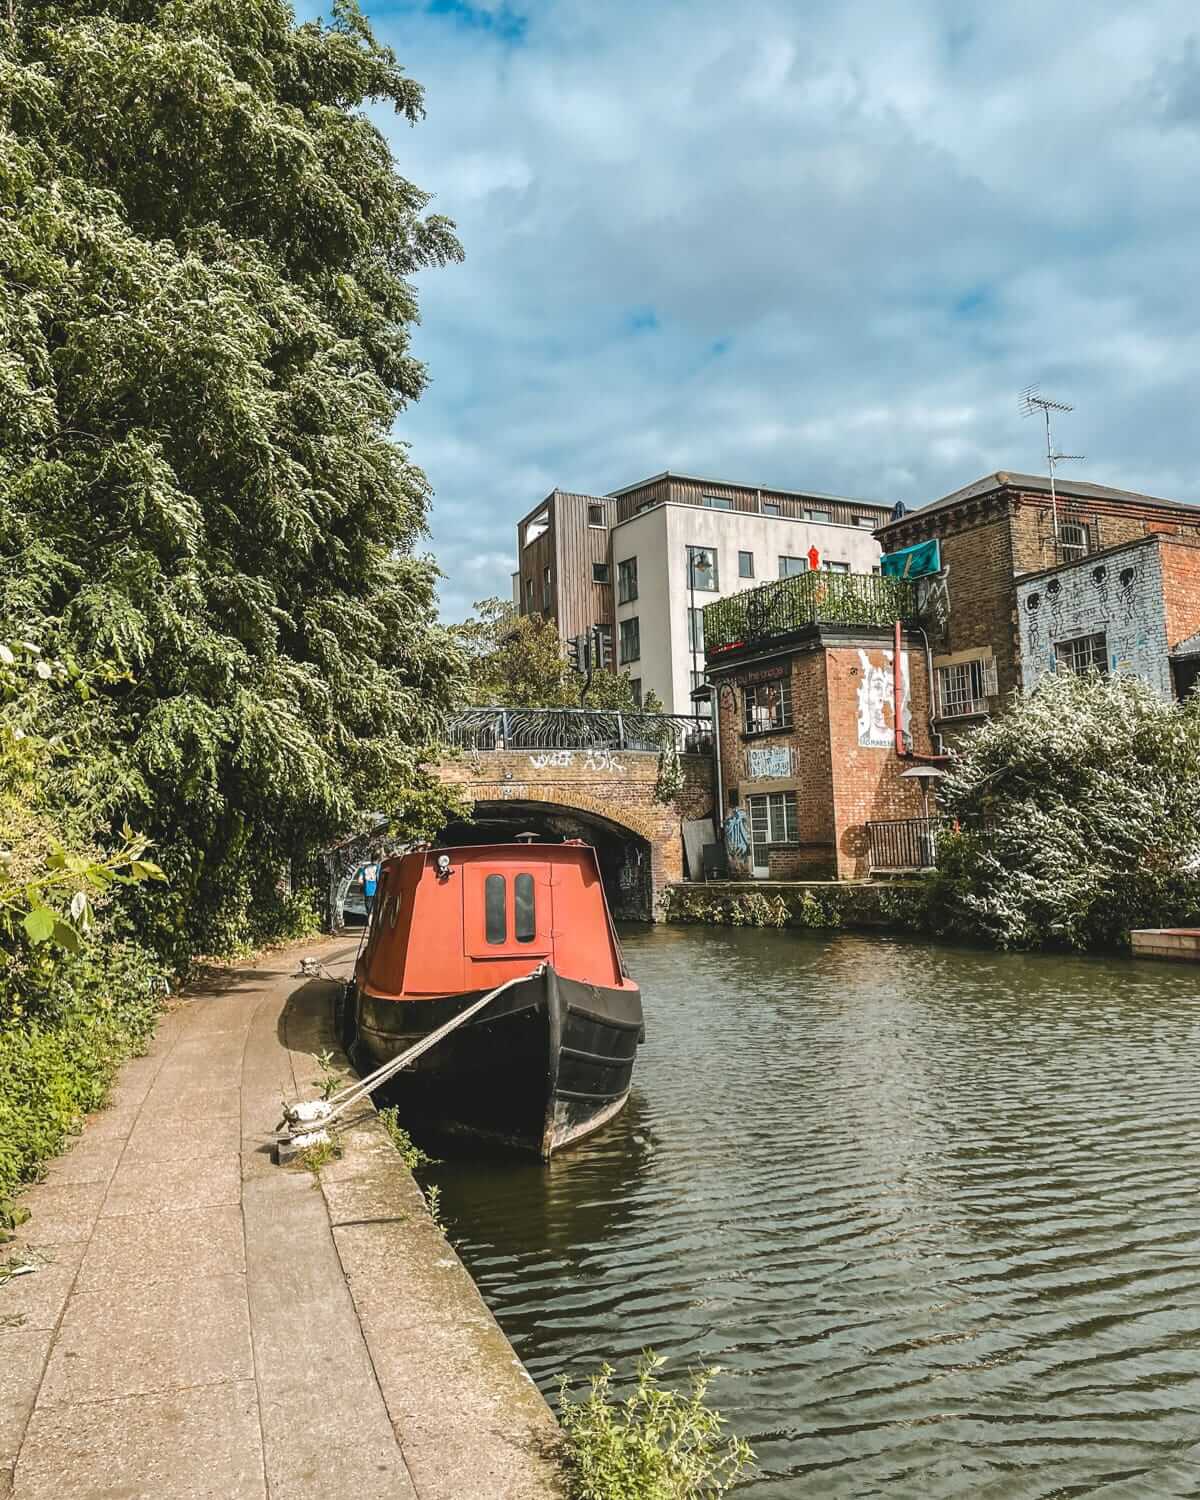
903, 844
813, 598
577, 729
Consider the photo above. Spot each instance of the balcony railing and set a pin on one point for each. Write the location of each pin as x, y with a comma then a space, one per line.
902, 844
577, 729
814, 598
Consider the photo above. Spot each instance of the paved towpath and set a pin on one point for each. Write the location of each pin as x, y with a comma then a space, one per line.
204, 1323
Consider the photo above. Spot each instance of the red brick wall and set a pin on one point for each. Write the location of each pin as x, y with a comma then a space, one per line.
867, 783
1181, 589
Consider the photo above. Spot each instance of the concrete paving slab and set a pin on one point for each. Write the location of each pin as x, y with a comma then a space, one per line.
110, 1124
192, 1180
23, 1353
62, 1213
220, 1104
315, 1376
130, 1340
164, 1247
166, 1135
37, 1300
86, 1160
202, 1444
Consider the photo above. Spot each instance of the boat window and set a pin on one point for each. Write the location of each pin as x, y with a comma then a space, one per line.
495, 925
525, 922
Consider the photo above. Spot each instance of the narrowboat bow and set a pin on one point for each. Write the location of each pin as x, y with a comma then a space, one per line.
550, 1059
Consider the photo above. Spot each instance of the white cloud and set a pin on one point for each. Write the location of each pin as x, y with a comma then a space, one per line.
818, 246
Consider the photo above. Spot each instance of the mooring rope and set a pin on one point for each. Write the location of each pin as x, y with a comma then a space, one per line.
314, 1115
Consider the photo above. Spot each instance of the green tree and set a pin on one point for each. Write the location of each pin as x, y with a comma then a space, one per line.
205, 308
518, 661
1079, 814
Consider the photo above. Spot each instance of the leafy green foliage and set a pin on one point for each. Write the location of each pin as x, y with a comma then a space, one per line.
58, 1057
1079, 814
410, 1154
205, 307
655, 1445
517, 661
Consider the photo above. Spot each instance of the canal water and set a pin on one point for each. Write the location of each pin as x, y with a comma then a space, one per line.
934, 1212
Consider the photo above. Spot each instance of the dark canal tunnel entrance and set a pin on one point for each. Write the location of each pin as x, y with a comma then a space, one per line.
623, 856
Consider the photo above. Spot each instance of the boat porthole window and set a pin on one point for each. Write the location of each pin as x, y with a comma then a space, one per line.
494, 915
524, 917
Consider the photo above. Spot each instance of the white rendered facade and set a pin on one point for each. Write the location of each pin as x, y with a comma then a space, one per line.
659, 539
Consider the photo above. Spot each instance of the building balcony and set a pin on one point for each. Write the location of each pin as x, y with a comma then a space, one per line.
789, 606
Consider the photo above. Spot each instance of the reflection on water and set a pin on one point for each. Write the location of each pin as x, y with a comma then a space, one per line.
935, 1213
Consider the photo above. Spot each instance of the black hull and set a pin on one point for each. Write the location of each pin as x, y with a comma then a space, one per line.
548, 1062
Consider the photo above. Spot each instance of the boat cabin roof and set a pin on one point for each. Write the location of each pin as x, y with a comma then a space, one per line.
461, 919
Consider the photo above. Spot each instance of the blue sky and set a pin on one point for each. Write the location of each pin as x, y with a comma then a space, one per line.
817, 245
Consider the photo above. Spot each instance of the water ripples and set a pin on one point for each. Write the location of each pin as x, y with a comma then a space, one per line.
933, 1212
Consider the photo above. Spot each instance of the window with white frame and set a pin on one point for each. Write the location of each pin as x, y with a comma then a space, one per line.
716, 502
595, 515
695, 629
1085, 653
818, 515
964, 687
773, 818
869, 522
1072, 540
789, 567
627, 589
767, 706
599, 572
745, 564
835, 567
771, 508
631, 640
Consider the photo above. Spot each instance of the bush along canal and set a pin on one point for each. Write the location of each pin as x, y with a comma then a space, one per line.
931, 1211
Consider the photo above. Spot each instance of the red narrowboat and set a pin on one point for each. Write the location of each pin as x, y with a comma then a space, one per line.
550, 1059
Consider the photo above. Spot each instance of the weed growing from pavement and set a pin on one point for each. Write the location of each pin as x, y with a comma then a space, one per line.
410, 1154
320, 1155
655, 1444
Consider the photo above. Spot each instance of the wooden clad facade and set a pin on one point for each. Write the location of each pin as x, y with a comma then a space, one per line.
681, 489
570, 547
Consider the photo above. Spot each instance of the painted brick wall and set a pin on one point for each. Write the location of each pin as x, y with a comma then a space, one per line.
867, 781
1120, 594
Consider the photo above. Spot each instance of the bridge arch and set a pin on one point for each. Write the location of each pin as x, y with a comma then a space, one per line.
624, 845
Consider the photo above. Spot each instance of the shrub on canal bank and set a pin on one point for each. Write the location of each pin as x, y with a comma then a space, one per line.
826, 907
655, 1444
1079, 814
85, 1014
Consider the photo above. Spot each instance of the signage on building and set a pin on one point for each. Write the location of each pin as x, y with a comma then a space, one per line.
767, 762
765, 674
913, 562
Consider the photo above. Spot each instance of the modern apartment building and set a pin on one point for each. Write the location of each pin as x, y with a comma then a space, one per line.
643, 562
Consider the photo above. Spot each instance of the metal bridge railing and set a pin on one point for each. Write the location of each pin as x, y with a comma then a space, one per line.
578, 729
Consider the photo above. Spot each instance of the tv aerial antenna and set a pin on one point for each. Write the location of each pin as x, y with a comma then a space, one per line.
1031, 402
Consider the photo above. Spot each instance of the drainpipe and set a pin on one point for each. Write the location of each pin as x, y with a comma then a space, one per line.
716, 718
897, 679
935, 738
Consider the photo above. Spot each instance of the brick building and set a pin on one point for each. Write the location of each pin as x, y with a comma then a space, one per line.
804, 685
998, 531
1132, 609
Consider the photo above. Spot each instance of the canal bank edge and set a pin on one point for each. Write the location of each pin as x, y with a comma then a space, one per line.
898, 905
469, 1419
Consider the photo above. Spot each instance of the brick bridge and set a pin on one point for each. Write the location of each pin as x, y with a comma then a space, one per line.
589, 775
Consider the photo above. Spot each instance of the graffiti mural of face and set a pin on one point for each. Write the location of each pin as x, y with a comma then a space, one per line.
1125, 581
1100, 579
1054, 594
1032, 605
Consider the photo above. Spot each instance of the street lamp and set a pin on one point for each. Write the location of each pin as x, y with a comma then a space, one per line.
699, 560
